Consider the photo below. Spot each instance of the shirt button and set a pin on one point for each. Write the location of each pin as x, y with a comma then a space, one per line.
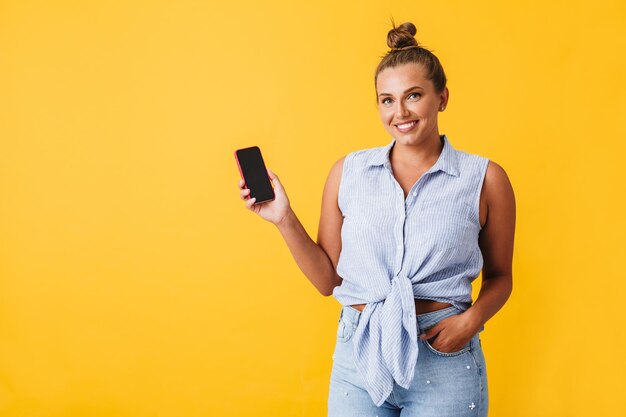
414, 193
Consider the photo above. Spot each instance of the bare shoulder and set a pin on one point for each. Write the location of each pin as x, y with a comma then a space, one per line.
331, 218
497, 186
497, 236
331, 188
336, 169
495, 171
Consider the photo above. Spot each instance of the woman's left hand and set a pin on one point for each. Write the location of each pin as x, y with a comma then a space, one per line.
453, 333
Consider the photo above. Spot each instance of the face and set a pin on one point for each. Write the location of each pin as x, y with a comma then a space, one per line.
408, 104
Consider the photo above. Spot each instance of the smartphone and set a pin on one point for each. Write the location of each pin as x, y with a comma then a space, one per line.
253, 171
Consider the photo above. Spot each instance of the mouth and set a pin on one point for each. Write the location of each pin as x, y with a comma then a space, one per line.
406, 127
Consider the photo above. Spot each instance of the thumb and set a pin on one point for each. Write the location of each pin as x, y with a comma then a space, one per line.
273, 177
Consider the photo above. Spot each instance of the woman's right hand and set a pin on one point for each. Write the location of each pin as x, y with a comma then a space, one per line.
273, 211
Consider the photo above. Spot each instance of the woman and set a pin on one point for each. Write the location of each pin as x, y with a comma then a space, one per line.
404, 230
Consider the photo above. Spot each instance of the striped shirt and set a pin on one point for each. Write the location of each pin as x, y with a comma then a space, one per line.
395, 249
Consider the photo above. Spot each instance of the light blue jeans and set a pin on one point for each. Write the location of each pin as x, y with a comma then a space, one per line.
445, 385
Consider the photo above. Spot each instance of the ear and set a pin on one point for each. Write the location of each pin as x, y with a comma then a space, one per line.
444, 97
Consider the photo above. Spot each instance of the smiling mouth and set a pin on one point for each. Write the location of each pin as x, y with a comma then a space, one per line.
405, 127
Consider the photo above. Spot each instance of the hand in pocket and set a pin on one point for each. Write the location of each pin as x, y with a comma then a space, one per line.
450, 334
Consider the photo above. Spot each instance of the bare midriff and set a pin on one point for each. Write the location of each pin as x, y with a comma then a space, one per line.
421, 306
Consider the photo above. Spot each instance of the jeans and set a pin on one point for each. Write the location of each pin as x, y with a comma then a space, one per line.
445, 384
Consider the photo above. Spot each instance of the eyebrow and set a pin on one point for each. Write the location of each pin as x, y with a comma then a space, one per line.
406, 91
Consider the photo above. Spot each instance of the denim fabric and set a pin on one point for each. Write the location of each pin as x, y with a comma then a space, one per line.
444, 385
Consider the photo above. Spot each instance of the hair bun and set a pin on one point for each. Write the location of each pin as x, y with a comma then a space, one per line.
402, 36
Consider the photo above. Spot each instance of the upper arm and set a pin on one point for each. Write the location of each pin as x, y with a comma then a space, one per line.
496, 237
331, 218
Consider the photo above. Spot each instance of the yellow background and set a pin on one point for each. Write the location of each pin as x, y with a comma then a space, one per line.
133, 282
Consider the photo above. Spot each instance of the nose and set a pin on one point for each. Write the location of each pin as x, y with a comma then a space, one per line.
402, 110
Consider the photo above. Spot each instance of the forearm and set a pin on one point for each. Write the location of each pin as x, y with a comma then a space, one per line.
310, 257
494, 292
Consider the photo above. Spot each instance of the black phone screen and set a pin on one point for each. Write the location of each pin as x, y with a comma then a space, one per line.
255, 174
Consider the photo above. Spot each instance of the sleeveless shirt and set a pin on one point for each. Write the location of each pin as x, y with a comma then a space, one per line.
395, 249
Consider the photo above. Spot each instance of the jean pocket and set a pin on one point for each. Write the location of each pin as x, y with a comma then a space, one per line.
463, 350
345, 330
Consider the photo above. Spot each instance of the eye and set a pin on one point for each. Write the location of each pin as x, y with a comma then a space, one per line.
418, 94
384, 101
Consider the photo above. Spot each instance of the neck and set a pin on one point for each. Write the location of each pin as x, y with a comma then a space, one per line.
422, 154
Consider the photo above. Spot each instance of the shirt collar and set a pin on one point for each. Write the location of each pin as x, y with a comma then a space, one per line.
447, 162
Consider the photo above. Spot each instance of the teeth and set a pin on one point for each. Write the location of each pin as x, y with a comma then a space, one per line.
406, 125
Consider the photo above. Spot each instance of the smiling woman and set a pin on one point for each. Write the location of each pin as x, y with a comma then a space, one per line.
410, 87
404, 231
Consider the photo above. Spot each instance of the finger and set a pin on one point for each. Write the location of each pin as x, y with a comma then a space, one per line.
241, 183
244, 193
250, 202
430, 332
